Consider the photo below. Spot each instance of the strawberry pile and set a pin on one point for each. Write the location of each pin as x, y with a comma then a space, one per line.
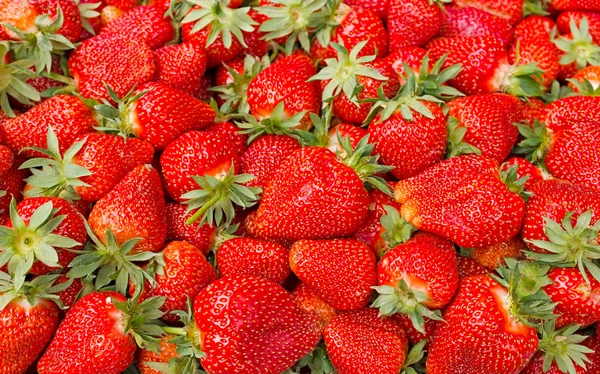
300, 186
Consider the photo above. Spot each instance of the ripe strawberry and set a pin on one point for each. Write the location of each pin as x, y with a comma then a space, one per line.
68, 116
257, 46
258, 258
467, 267
592, 75
533, 49
510, 10
449, 199
469, 21
201, 236
583, 5
566, 112
340, 271
488, 120
101, 322
167, 350
232, 132
232, 79
417, 276
564, 19
6, 159
376, 6
524, 168
412, 22
336, 209
272, 341
493, 256
144, 23
359, 341
576, 49
181, 66
411, 56
308, 301
75, 289
11, 185
114, 60
134, 208
534, 26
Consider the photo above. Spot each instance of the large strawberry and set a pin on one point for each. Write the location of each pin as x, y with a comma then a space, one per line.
276, 337
145, 23
181, 66
413, 22
469, 21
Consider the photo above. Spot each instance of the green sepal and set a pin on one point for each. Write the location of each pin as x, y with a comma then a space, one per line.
88, 11
585, 88
404, 300
581, 49
524, 81
275, 124
40, 287
432, 83
142, 320
317, 362
514, 183
570, 246
455, 144
557, 91
415, 360
319, 134
115, 120
224, 21
535, 7
535, 143
562, 346
13, 83
214, 201
396, 229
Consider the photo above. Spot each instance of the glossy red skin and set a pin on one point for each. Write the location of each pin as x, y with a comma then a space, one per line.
22, 14
285, 80
277, 335
68, 116
185, 273
510, 10
534, 26
410, 146
593, 342
489, 121
124, 5
426, 263
135, 208
201, 236
255, 257
583, 5
69, 295
593, 18
263, 157
450, 198
145, 23
412, 22
12, 182
540, 51
378, 7
356, 26
359, 341
310, 180
480, 336
480, 57
339, 271
524, 168
114, 59
554, 199
223, 77
164, 113
471, 21
26, 331
95, 22
6, 159
232, 132
468, 267
196, 153
564, 113
72, 227
349, 112
181, 66
411, 56
578, 301
90, 339
414, 336
533, 109
308, 301
591, 73
166, 351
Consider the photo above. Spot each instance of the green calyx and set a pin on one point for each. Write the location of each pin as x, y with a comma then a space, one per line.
432, 82
364, 163
404, 300
115, 120
585, 87
278, 123
570, 246
214, 201
142, 320
114, 266
514, 183
13, 83
317, 362
415, 360
396, 229
293, 19
581, 49
557, 91
55, 174
535, 143
41, 287
223, 21
342, 73
535, 7
88, 11
319, 135
562, 347
524, 281
455, 144
40, 45
24, 243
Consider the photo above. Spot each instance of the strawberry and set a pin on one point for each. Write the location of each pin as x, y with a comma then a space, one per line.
308, 301
359, 341
230, 131
144, 23
563, 22
248, 256
534, 26
448, 200
91, 22
16, 74
336, 209
412, 22
533, 49
586, 81
181, 66
154, 112
68, 116
493, 256
583, 5
75, 288
278, 327
510, 10
232, 79
128, 217
256, 45
417, 276
379, 8
524, 169
146, 360
411, 56
467, 267
201, 236
6, 159
576, 49
566, 112
114, 60
11, 185
469, 21
339, 271
101, 322
487, 121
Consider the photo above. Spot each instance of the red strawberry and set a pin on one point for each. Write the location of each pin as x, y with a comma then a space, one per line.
564, 19
412, 22
564, 113
232, 79
536, 49
533, 109
272, 341
524, 168
181, 66
510, 10
584, 5
6, 159
248, 256
416, 276
166, 351
134, 208
70, 294
11, 185
534, 26
415, 336
308, 301
589, 73
202, 236
376, 6
232, 132
468, 267
449, 199
411, 56
114, 60
340, 271
493, 256
576, 49
469, 21
68, 116
100, 322
144, 23
359, 341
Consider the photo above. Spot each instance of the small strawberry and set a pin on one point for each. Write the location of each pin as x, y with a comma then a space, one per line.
534, 49
411, 56
524, 169
147, 361
144, 23
230, 131
413, 22
493, 256
469, 21
534, 26
11, 186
